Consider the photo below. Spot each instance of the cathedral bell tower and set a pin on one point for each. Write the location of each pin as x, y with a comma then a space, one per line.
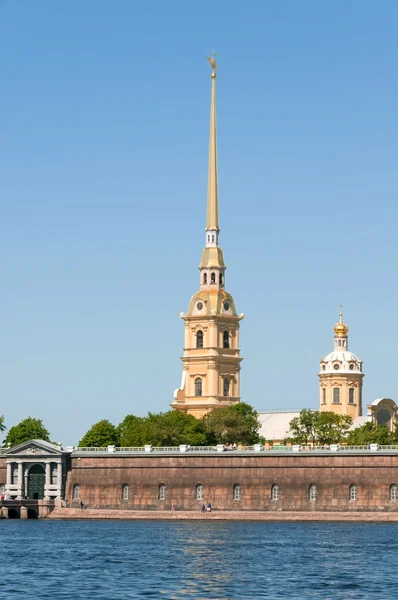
211, 360
341, 377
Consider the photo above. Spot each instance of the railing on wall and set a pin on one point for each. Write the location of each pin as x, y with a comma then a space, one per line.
186, 448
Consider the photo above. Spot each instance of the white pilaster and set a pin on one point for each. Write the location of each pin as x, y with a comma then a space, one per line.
20, 481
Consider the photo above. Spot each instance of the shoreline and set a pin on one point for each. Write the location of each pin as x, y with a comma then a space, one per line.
288, 516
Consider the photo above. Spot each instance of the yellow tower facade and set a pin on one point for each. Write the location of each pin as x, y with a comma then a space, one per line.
211, 360
341, 377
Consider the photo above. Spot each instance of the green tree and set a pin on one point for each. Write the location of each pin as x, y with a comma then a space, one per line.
101, 434
238, 423
171, 428
315, 427
370, 434
28, 429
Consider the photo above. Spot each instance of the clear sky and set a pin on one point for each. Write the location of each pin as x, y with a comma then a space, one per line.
104, 119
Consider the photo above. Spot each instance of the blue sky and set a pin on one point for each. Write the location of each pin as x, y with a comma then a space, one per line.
104, 112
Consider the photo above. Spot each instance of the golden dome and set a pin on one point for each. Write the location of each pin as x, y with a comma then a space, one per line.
341, 329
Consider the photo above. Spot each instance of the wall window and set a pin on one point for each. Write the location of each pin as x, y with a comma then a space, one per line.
199, 339
336, 395
353, 492
393, 492
205, 278
199, 492
275, 492
2, 488
125, 492
54, 473
162, 492
220, 278
351, 396
212, 238
312, 492
226, 387
213, 278
323, 395
76, 491
198, 386
225, 339
236, 491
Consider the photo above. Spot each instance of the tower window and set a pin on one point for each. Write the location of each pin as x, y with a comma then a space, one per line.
220, 278
225, 339
312, 492
162, 492
205, 278
226, 387
353, 492
336, 395
213, 278
198, 386
351, 395
236, 492
208, 238
393, 492
199, 339
212, 238
275, 492
323, 395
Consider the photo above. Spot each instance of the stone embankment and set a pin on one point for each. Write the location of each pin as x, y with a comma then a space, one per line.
141, 515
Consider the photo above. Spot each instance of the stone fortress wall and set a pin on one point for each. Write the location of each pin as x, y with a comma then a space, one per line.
360, 480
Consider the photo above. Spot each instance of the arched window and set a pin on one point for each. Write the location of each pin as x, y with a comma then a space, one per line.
125, 492
205, 278
353, 492
199, 339
162, 492
226, 387
212, 238
336, 395
225, 339
213, 278
208, 238
312, 492
323, 395
220, 279
198, 386
236, 491
275, 492
199, 491
76, 491
393, 492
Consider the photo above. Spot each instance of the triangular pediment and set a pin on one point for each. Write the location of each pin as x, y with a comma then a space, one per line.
34, 448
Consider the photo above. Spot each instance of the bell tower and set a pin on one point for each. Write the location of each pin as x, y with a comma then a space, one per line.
341, 377
211, 360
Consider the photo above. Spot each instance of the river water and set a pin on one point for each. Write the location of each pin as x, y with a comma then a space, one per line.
113, 560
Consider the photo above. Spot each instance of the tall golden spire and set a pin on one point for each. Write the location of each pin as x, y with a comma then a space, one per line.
212, 186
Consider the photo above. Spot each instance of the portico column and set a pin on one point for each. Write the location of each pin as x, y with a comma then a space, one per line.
59, 480
8, 482
48, 481
20, 481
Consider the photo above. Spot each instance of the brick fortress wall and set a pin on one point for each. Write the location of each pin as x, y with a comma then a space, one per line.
101, 479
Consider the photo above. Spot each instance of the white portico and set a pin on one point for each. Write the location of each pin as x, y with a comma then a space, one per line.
35, 470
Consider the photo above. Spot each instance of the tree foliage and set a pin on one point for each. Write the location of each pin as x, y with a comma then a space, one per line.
171, 428
316, 427
232, 424
28, 429
101, 434
2, 426
370, 434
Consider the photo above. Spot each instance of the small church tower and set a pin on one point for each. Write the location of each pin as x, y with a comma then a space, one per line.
340, 377
211, 360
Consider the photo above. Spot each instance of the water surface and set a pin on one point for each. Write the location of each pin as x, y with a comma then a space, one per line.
112, 560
